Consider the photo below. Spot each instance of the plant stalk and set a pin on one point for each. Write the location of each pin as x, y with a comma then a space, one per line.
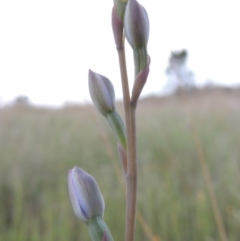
131, 174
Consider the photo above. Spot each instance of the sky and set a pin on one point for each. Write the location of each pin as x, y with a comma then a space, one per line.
48, 46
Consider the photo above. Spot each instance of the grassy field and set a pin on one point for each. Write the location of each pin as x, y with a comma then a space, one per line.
181, 139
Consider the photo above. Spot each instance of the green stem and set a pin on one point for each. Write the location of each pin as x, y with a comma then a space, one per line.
117, 125
97, 227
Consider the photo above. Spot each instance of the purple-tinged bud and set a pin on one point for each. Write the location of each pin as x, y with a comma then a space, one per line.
85, 195
136, 24
117, 27
102, 92
139, 83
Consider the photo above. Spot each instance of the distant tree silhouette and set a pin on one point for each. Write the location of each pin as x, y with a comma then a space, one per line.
22, 100
179, 76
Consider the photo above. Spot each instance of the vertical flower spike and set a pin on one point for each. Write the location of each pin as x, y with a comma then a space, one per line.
85, 195
102, 92
136, 24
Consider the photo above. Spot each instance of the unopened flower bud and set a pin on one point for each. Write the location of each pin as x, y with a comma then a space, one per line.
85, 195
102, 92
136, 24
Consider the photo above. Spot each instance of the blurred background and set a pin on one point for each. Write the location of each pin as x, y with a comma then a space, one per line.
47, 47
187, 120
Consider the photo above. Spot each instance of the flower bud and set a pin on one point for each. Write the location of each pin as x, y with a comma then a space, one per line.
102, 92
85, 195
136, 24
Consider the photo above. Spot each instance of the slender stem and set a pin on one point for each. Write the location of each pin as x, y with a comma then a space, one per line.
124, 78
131, 175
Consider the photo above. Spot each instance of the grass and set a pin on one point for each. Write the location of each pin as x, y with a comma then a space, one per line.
38, 146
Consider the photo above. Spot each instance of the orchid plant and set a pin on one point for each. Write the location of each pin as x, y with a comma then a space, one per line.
130, 21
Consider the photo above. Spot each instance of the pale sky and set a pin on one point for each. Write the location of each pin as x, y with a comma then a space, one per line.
47, 46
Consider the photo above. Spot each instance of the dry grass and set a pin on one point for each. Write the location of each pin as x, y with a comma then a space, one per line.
38, 146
